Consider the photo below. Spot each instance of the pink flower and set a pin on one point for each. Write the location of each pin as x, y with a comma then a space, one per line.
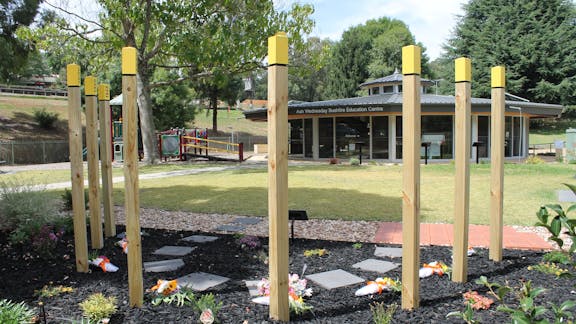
207, 317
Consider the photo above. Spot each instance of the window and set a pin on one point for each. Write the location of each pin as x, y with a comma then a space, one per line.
388, 89
380, 137
375, 90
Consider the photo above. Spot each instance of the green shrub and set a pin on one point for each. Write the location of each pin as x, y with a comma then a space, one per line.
22, 204
97, 307
15, 313
208, 301
382, 313
45, 119
354, 161
534, 160
67, 198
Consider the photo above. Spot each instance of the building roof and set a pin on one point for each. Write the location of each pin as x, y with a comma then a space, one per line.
396, 77
392, 103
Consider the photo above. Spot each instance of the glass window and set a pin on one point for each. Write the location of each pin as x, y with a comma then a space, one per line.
296, 136
483, 135
517, 136
507, 136
399, 137
438, 131
388, 89
308, 137
380, 137
375, 90
326, 140
352, 136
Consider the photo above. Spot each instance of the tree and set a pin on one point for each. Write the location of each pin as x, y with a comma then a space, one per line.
199, 39
172, 104
308, 71
368, 51
14, 51
533, 39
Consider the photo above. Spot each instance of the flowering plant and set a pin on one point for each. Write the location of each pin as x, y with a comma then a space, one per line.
296, 292
249, 242
45, 239
477, 301
318, 252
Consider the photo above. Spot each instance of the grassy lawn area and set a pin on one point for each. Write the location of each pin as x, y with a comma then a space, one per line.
39, 177
230, 121
359, 193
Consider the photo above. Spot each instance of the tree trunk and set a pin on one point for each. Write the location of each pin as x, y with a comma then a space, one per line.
147, 128
214, 106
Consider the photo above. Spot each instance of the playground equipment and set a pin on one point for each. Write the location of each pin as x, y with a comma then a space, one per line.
117, 142
184, 143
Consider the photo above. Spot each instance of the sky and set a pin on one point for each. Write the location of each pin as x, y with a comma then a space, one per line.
430, 21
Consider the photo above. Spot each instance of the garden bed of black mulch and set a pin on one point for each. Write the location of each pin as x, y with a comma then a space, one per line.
22, 273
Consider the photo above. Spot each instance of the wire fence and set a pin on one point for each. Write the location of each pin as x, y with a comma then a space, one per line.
34, 152
41, 152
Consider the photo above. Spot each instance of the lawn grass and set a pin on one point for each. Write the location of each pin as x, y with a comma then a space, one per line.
230, 121
359, 193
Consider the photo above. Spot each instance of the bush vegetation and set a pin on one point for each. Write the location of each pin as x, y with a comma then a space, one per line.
45, 119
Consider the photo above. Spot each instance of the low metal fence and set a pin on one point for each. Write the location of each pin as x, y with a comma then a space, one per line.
34, 152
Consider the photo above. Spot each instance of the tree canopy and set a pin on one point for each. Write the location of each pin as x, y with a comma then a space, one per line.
14, 14
534, 39
208, 39
366, 51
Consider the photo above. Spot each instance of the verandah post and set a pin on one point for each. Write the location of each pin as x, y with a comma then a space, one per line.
497, 162
278, 175
463, 78
411, 114
76, 166
132, 199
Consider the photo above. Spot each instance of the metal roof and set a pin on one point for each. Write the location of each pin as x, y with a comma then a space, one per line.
392, 78
388, 103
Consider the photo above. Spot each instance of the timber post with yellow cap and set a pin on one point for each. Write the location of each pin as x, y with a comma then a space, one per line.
92, 156
497, 162
105, 119
411, 114
463, 79
76, 166
131, 196
278, 175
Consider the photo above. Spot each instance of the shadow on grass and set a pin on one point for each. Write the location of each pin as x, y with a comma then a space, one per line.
320, 203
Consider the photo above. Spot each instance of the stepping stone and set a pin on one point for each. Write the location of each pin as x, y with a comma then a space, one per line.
174, 250
334, 279
566, 196
375, 265
252, 286
164, 265
230, 228
387, 252
201, 281
247, 220
200, 238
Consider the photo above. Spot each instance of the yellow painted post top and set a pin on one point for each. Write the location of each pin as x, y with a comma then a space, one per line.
498, 77
73, 75
411, 56
463, 70
90, 86
278, 49
129, 60
103, 92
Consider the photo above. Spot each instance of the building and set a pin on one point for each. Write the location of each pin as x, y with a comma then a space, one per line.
342, 128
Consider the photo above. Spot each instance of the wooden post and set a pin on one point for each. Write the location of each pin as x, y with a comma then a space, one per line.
76, 167
411, 114
92, 156
131, 197
497, 162
106, 159
462, 161
278, 175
